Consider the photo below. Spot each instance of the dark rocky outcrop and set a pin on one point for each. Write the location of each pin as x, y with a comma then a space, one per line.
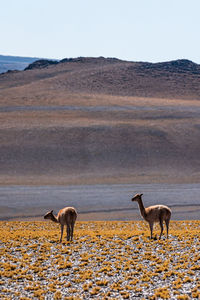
40, 64
176, 66
95, 60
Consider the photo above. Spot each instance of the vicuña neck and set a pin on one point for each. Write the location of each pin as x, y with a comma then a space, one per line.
142, 209
54, 219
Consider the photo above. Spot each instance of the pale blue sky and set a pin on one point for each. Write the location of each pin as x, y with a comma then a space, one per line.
136, 30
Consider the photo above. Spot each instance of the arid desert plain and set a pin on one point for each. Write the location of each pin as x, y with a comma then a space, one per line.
91, 133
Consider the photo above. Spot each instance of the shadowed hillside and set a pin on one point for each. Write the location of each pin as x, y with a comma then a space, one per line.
94, 120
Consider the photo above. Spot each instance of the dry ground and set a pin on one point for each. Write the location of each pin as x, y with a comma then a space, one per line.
106, 260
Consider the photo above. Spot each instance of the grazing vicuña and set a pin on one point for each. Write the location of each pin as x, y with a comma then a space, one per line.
66, 216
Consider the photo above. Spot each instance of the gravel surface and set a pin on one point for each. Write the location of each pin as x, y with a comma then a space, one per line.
105, 260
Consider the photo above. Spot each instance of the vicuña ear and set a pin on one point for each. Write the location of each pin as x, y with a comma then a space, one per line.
141, 195
52, 211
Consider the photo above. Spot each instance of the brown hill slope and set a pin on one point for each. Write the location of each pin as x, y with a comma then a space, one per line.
60, 123
175, 79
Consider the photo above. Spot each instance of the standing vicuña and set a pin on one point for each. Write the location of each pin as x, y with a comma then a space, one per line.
155, 213
66, 216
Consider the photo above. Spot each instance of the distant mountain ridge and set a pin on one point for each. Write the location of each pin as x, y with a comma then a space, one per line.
174, 65
43, 63
99, 75
8, 62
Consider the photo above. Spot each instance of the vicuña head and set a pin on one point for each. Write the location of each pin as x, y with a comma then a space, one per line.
66, 216
155, 213
137, 197
49, 215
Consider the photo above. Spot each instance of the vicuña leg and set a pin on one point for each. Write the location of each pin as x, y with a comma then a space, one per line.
72, 230
151, 228
161, 227
68, 232
167, 226
61, 235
